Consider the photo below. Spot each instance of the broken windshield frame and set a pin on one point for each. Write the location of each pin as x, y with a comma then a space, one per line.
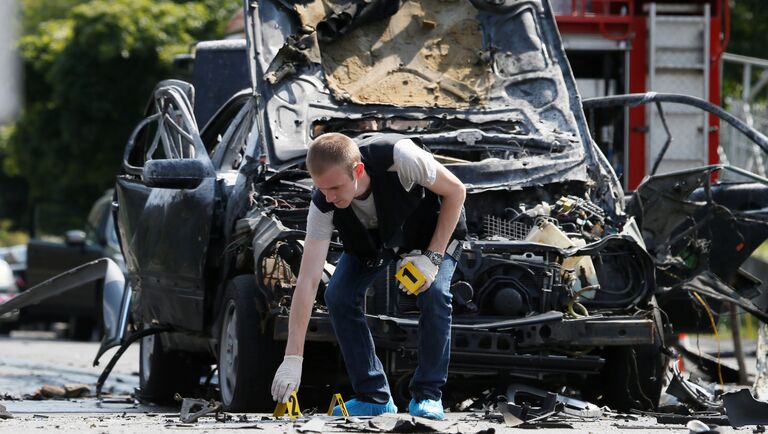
404, 125
504, 135
473, 138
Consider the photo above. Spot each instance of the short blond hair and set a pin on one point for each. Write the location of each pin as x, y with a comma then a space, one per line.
332, 149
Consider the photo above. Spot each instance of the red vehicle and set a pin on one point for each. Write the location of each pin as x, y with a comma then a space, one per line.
636, 46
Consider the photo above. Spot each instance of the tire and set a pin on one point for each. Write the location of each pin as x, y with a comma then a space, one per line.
246, 355
164, 373
7, 327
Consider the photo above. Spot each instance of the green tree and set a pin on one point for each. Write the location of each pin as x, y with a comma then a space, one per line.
88, 77
749, 26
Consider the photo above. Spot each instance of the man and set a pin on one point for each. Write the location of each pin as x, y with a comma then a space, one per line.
388, 198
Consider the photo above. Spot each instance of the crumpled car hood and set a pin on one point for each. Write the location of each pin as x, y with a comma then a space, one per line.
453, 59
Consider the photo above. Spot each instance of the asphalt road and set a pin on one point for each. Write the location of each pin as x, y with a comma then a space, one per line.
29, 360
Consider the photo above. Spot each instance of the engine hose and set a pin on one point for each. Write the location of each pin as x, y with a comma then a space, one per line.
573, 305
124, 346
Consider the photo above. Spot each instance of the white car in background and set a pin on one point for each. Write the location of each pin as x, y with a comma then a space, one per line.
8, 290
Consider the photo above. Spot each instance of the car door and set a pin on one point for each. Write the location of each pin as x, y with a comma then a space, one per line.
166, 194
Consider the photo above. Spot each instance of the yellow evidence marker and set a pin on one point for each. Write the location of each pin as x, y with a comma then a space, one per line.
411, 278
291, 407
337, 399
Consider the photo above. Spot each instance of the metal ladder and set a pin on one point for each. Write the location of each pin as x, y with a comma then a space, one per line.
678, 62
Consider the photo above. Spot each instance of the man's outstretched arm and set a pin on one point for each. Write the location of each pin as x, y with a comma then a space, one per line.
288, 375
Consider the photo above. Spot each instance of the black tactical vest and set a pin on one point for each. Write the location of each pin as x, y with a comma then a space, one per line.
407, 220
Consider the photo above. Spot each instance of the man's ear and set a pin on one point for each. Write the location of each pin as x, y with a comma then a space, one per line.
359, 169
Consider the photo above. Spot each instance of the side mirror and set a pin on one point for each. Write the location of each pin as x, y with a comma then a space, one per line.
74, 237
175, 173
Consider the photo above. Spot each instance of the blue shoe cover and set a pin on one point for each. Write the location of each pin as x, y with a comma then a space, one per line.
362, 408
428, 408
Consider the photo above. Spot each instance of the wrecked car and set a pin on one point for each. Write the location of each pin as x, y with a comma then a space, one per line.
557, 283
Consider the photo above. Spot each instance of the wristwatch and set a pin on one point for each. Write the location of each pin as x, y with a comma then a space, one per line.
434, 257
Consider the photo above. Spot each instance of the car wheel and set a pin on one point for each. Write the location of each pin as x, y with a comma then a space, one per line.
6, 328
246, 353
164, 373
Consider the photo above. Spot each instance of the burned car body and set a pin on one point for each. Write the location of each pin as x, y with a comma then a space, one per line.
555, 284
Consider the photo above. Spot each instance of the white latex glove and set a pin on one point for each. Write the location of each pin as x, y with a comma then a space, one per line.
423, 264
287, 378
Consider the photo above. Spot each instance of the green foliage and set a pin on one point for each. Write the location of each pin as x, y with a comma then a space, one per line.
37, 12
749, 26
9, 236
89, 71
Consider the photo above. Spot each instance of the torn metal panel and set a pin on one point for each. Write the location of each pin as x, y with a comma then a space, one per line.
708, 284
700, 232
298, 50
677, 207
743, 409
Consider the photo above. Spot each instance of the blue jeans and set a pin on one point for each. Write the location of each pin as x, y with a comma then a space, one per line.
344, 297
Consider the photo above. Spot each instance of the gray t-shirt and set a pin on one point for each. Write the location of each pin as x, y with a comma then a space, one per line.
413, 166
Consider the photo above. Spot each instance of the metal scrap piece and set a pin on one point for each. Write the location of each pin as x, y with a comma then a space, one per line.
193, 408
510, 419
682, 419
689, 392
394, 423
743, 409
314, 425
579, 408
548, 404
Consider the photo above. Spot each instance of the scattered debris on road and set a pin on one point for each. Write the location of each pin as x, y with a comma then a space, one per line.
48, 391
192, 408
